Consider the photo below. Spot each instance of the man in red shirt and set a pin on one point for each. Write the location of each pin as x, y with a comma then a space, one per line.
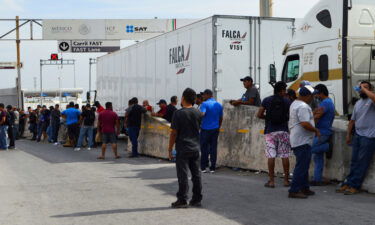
109, 126
163, 109
147, 106
99, 108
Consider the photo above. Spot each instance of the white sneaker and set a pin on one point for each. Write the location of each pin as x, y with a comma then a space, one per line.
205, 171
77, 149
88, 149
56, 143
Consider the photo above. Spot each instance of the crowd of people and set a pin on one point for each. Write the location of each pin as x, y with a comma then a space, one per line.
291, 125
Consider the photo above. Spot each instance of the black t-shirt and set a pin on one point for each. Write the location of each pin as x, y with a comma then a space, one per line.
135, 116
187, 123
170, 110
32, 117
55, 115
88, 117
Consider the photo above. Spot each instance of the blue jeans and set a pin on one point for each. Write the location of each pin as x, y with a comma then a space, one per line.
3, 137
208, 139
300, 180
320, 146
86, 131
49, 133
16, 127
133, 135
363, 151
55, 130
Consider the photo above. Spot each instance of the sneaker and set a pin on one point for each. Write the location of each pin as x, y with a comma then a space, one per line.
77, 149
193, 203
205, 171
342, 189
308, 192
299, 195
179, 204
88, 149
56, 143
351, 191
317, 183
212, 171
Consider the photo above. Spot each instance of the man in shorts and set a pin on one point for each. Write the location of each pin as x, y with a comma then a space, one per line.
109, 126
275, 110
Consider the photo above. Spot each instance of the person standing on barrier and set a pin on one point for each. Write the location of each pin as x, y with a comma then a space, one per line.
324, 116
185, 134
275, 110
10, 123
210, 128
251, 96
3, 128
134, 120
55, 123
362, 124
71, 115
109, 127
302, 131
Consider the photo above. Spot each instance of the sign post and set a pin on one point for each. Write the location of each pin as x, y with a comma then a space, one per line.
19, 90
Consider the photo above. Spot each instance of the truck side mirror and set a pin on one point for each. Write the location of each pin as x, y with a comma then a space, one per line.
272, 74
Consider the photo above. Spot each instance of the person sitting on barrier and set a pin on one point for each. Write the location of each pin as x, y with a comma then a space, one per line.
302, 131
185, 134
275, 110
324, 116
147, 106
212, 119
362, 124
251, 96
163, 109
171, 108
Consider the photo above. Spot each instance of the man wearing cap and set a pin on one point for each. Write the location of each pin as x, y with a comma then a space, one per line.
251, 96
302, 132
323, 116
211, 123
163, 109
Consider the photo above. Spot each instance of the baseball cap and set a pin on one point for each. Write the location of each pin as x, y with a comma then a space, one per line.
247, 78
207, 92
304, 83
306, 90
162, 101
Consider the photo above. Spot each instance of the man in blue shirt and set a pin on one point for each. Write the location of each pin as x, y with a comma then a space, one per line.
71, 115
323, 116
210, 128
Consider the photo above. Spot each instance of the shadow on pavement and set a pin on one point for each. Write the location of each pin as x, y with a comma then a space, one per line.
114, 211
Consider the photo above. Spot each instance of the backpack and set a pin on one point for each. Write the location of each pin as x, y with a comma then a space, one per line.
278, 113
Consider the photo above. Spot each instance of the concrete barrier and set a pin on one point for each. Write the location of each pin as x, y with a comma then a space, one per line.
241, 144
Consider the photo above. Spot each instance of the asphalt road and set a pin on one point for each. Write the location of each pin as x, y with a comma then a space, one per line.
42, 184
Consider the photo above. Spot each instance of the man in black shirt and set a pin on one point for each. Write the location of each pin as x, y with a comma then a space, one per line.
185, 134
171, 108
134, 119
55, 123
33, 127
87, 129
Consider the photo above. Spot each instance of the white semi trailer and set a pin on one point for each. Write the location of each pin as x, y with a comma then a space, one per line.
212, 53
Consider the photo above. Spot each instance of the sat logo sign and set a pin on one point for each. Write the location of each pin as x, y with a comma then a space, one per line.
135, 29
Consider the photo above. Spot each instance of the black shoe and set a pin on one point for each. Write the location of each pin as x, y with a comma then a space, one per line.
316, 183
299, 195
308, 192
133, 156
193, 203
179, 204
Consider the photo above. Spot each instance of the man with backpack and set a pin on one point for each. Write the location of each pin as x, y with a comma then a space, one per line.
275, 110
11, 117
87, 128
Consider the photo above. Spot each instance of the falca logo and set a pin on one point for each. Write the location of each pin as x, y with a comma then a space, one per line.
135, 29
236, 37
179, 58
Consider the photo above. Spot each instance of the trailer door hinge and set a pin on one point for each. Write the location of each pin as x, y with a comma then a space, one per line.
217, 24
218, 89
217, 52
218, 70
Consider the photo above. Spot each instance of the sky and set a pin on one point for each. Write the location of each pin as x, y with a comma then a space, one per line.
33, 51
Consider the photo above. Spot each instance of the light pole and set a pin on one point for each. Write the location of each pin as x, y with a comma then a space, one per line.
91, 61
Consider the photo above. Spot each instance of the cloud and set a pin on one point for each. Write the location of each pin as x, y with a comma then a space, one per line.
12, 5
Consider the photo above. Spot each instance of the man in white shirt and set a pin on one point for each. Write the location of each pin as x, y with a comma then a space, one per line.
302, 132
